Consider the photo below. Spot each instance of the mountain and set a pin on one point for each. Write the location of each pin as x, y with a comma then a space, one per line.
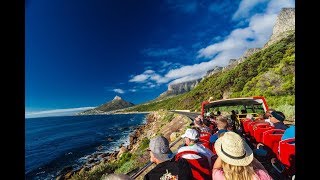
285, 24
116, 104
269, 71
179, 88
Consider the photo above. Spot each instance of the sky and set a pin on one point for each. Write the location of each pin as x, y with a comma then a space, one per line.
80, 54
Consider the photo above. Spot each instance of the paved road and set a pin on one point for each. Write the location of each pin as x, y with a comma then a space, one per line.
191, 115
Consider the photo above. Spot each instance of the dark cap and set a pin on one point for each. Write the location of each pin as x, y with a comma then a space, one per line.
278, 115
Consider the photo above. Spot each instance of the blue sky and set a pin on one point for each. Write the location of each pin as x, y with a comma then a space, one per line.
80, 54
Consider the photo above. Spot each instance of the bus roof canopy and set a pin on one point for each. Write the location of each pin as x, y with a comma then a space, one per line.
234, 102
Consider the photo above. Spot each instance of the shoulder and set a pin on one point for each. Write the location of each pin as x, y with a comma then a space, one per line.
185, 148
263, 174
217, 174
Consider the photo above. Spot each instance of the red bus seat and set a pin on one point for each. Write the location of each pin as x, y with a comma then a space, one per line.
245, 125
200, 168
258, 129
271, 139
287, 152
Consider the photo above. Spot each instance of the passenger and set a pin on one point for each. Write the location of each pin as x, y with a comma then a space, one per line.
233, 116
116, 177
166, 167
235, 160
265, 117
222, 124
243, 111
289, 133
198, 122
191, 137
277, 118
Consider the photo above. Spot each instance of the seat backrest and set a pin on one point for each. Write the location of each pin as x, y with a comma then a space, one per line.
271, 139
245, 125
287, 152
250, 128
258, 129
200, 167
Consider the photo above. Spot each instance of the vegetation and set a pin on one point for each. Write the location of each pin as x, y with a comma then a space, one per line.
128, 162
269, 73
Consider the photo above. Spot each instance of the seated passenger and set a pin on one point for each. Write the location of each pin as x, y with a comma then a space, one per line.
289, 133
222, 124
243, 111
198, 122
235, 160
191, 137
166, 168
277, 118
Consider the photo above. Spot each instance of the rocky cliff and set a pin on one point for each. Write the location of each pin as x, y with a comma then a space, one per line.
116, 104
179, 88
285, 24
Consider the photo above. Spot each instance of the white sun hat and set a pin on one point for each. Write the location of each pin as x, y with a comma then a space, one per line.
232, 149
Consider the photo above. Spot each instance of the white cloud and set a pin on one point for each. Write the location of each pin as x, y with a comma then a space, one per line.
132, 90
56, 112
149, 71
276, 5
245, 7
120, 91
139, 78
232, 46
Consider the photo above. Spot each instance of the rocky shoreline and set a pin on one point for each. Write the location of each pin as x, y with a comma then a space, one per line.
99, 157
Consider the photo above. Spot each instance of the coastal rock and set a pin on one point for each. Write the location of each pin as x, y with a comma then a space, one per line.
121, 151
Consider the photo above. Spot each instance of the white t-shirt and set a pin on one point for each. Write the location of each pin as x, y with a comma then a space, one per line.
197, 148
268, 120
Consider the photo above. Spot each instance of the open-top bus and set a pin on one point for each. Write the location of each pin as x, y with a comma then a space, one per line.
246, 105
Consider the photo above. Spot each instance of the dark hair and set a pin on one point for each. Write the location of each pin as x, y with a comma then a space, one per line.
206, 122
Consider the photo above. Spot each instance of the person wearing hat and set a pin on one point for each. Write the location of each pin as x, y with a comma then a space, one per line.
277, 118
166, 167
235, 160
191, 137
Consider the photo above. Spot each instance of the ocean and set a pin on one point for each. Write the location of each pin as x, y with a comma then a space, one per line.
52, 143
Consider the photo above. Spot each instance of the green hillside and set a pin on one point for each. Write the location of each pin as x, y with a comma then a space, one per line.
269, 72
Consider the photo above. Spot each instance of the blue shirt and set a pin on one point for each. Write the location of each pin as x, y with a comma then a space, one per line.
289, 133
215, 136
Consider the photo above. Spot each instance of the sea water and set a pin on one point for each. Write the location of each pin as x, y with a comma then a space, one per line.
52, 143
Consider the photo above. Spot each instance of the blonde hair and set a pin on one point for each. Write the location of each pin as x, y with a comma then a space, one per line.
232, 172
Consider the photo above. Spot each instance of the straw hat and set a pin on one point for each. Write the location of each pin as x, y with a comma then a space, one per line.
232, 149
